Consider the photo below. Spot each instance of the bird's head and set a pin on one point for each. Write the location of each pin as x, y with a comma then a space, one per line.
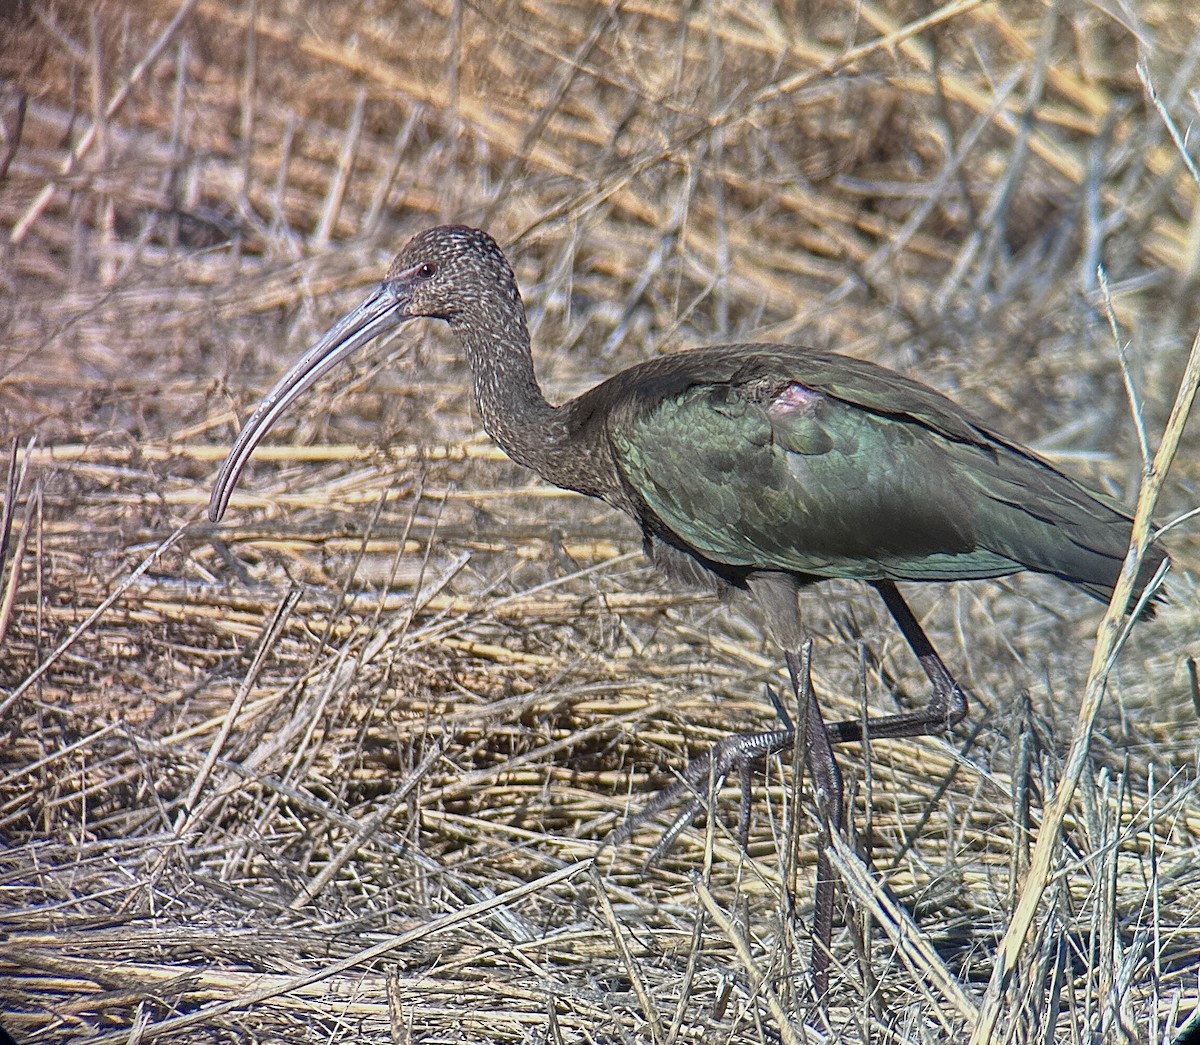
451, 272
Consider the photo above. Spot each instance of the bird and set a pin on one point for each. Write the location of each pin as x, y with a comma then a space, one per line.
755, 468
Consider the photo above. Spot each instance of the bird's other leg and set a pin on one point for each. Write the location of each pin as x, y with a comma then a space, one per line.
826, 782
948, 704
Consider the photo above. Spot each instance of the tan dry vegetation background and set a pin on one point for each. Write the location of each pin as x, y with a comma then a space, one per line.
403, 677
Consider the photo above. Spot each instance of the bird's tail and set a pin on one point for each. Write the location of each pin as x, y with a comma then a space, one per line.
1050, 524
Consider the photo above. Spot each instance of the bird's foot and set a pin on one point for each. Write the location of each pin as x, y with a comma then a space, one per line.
699, 781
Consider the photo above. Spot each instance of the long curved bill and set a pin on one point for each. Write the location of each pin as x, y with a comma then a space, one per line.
383, 310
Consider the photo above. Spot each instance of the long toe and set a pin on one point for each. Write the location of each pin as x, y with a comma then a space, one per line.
700, 780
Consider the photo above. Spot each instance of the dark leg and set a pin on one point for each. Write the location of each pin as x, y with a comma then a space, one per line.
827, 793
946, 706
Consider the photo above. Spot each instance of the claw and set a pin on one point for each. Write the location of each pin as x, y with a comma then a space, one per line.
701, 778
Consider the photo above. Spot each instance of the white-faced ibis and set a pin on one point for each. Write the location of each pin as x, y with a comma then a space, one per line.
757, 467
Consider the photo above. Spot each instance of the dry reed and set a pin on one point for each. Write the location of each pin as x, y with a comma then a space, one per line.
339, 766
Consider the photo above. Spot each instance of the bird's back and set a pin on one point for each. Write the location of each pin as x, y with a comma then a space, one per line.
762, 457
